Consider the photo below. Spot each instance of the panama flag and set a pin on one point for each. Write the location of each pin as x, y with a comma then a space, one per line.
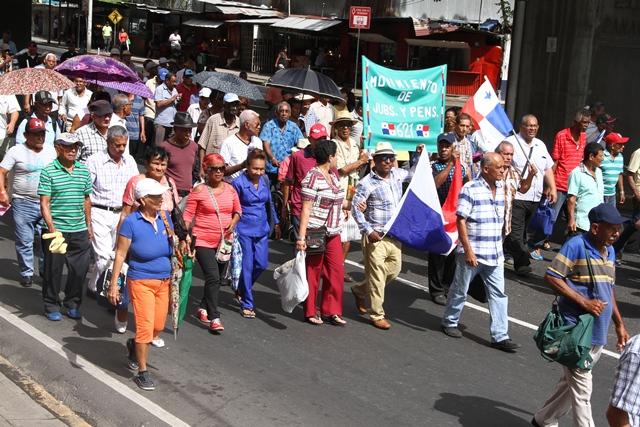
422, 130
420, 222
487, 113
388, 128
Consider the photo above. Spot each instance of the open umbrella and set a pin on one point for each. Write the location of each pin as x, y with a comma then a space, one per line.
229, 83
96, 67
31, 80
305, 80
185, 287
202, 76
137, 88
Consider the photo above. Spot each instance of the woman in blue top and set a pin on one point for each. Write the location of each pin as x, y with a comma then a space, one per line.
253, 228
145, 236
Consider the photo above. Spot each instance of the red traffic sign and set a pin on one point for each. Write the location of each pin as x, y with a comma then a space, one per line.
360, 17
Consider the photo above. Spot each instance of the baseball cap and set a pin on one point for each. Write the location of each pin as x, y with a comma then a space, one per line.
43, 97
448, 137
231, 97
148, 187
35, 125
67, 138
101, 107
615, 138
205, 91
189, 72
605, 212
318, 131
162, 73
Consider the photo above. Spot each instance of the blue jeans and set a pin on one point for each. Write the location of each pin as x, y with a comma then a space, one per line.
557, 206
493, 277
28, 221
610, 200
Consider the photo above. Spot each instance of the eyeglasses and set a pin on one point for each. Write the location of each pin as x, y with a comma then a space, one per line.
216, 169
387, 158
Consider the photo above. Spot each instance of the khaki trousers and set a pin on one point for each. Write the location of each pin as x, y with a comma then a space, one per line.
382, 263
573, 392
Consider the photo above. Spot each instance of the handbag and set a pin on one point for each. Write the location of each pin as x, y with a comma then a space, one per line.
223, 254
316, 240
569, 345
542, 220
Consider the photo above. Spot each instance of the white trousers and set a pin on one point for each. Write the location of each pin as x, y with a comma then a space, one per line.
573, 392
105, 225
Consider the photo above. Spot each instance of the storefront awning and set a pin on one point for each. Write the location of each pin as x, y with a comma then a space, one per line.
202, 23
372, 38
240, 8
309, 24
437, 43
266, 21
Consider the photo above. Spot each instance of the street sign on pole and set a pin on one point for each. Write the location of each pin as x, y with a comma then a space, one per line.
115, 17
360, 19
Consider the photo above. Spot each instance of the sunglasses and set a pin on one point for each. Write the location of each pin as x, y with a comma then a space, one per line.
386, 158
216, 169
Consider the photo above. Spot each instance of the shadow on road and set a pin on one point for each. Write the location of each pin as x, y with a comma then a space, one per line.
479, 411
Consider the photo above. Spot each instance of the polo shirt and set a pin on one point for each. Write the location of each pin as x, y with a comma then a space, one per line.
589, 192
611, 169
571, 266
541, 160
568, 156
165, 115
150, 251
67, 191
235, 151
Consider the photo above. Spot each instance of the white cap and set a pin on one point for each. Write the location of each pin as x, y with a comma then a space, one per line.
231, 97
148, 187
303, 97
205, 91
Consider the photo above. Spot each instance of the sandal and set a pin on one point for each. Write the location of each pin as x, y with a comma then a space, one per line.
316, 321
336, 320
247, 313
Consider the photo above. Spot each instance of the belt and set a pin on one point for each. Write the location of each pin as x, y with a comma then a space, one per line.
107, 208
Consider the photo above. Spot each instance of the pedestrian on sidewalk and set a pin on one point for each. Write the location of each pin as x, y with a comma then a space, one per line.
26, 161
480, 222
146, 237
583, 291
107, 32
64, 190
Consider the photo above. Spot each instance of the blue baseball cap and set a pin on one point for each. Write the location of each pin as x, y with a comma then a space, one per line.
189, 72
162, 73
448, 137
605, 212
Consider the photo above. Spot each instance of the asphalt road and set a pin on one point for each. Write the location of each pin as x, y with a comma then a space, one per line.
276, 370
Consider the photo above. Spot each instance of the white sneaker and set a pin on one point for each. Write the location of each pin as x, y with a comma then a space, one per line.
121, 327
157, 342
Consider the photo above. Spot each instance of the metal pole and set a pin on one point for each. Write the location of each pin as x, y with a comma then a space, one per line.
89, 25
355, 78
49, 29
288, 7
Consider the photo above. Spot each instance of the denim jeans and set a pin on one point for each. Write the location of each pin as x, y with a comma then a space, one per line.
557, 206
610, 200
493, 277
28, 222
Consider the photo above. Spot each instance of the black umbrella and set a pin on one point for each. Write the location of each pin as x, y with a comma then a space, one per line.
305, 80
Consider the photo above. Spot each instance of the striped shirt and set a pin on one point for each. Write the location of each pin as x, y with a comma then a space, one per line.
511, 185
571, 266
92, 141
327, 200
382, 197
611, 167
216, 131
626, 389
485, 219
110, 178
67, 190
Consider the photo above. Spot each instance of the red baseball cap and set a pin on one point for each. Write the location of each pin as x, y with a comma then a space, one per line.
318, 131
615, 138
35, 125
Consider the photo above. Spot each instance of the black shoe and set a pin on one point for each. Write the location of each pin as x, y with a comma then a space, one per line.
506, 345
452, 332
143, 380
132, 362
26, 282
523, 270
534, 422
439, 299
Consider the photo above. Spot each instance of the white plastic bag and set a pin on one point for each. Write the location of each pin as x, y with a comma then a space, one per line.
350, 231
291, 278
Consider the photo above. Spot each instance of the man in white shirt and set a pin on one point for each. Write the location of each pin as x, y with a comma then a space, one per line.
9, 113
74, 102
197, 108
527, 148
322, 112
236, 147
175, 41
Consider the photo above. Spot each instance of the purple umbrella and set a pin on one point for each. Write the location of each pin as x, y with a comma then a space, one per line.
95, 67
137, 88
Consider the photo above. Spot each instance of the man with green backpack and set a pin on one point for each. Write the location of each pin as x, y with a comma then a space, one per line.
583, 275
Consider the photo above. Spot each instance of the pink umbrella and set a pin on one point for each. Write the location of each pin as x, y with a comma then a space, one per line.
95, 67
137, 88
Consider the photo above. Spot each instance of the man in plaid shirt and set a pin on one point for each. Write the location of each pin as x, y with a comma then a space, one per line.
624, 407
381, 190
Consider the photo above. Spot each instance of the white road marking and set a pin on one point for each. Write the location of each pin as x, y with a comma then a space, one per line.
97, 373
472, 305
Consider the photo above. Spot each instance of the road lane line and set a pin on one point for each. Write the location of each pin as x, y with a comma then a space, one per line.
97, 373
472, 305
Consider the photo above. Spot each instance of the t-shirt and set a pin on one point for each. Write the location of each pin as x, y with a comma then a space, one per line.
8, 104
301, 162
568, 156
235, 151
181, 163
611, 169
186, 93
199, 207
150, 250
165, 115
589, 192
26, 165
